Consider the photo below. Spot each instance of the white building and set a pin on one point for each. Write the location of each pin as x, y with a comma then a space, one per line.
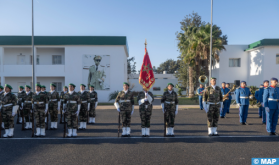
252, 63
63, 60
161, 82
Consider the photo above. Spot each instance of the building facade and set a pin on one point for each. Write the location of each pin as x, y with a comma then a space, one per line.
97, 60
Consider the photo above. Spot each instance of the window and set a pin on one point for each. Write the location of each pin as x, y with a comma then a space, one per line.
156, 88
56, 60
234, 62
31, 59
277, 58
58, 86
21, 59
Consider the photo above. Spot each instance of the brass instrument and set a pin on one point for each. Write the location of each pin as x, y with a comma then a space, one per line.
197, 91
226, 96
203, 80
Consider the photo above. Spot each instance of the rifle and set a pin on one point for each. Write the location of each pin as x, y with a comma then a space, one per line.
22, 124
0, 121
165, 124
118, 123
33, 126
47, 121
17, 121
61, 115
64, 125
87, 117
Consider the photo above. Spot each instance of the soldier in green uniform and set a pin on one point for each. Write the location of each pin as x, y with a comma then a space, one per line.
145, 99
85, 106
169, 103
53, 106
27, 107
96, 75
93, 104
40, 107
213, 104
124, 104
20, 95
71, 108
9, 109
1, 96
62, 94
43, 90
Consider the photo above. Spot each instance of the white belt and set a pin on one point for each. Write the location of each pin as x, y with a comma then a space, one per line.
213, 103
6, 105
84, 102
53, 100
168, 102
28, 101
123, 101
36, 102
61, 99
243, 97
92, 98
272, 99
72, 101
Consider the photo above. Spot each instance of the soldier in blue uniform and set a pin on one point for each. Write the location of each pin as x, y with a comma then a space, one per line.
224, 91
242, 100
258, 98
270, 100
230, 98
261, 92
200, 90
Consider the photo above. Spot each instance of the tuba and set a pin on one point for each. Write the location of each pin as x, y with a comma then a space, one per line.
226, 95
203, 80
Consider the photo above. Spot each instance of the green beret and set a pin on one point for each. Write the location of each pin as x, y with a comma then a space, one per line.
65, 87
7, 85
91, 86
42, 86
53, 85
125, 83
213, 78
170, 84
82, 85
38, 85
28, 86
1, 87
21, 87
72, 85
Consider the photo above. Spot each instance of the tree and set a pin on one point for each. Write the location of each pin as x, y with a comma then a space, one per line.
131, 65
170, 66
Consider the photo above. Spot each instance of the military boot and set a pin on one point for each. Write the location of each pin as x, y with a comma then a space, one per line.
11, 133
38, 132
147, 132
70, 133
6, 133
74, 132
143, 133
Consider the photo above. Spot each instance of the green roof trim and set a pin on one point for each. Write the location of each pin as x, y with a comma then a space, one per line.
264, 42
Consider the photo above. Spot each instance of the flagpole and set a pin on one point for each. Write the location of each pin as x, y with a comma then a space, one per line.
210, 70
33, 55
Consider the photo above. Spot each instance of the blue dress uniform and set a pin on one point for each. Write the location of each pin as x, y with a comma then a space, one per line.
242, 98
229, 102
225, 103
200, 90
270, 100
257, 96
260, 97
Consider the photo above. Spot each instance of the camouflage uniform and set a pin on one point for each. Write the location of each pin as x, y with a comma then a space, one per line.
8, 101
93, 100
62, 95
126, 101
39, 100
1, 96
71, 109
20, 96
53, 105
85, 101
170, 101
145, 109
213, 97
27, 107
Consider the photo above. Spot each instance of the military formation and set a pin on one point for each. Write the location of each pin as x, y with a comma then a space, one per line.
80, 107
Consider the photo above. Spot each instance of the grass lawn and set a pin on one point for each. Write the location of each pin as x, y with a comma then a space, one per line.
187, 101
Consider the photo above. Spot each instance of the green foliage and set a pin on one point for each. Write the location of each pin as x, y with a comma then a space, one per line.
113, 95
131, 66
170, 66
165, 89
253, 90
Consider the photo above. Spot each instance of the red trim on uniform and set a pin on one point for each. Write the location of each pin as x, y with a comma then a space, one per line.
272, 86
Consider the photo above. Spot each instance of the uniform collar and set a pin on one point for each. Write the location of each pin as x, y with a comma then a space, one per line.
52, 91
125, 91
6, 93
71, 92
65, 92
82, 92
20, 91
27, 92
91, 91
170, 91
272, 86
38, 92
213, 86
1, 92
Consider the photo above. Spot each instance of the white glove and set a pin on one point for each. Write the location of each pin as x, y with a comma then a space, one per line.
145, 99
13, 114
251, 97
205, 106
15, 108
116, 105
77, 113
64, 106
262, 104
96, 104
31, 111
132, 109
88, 108
21, 106
221, 106
46, 108
59, 103
238, 104
118, 109
100, 80
141, 101
163, 107
63, 111
267, 109
176, 110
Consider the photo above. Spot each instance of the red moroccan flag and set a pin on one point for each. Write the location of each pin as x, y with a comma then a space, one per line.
146, 77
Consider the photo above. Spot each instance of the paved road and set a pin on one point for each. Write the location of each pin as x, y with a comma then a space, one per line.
98, 144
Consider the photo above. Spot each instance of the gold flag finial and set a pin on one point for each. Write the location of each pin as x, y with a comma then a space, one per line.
145, 43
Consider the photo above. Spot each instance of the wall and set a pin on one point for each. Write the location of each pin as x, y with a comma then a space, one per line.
270, 66
256, 60
45, 55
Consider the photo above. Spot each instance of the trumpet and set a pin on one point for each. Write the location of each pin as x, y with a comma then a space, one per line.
226, 96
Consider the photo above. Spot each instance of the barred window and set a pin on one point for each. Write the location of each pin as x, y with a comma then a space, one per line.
58, 86
56, 59
277, 58
234, 62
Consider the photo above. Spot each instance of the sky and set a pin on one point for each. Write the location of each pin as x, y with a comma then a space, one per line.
243, 21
